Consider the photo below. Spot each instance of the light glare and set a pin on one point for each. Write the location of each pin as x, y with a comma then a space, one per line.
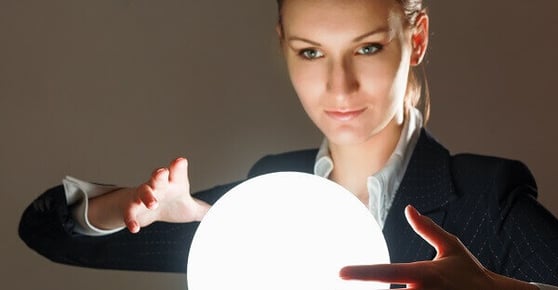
285, 230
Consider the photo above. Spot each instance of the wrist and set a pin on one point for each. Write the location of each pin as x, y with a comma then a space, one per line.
202, 209
106, 211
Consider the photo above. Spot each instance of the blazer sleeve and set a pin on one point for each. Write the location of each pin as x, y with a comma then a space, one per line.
500, 220
46, 226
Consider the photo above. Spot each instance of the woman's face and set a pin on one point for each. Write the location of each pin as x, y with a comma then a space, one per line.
349, 62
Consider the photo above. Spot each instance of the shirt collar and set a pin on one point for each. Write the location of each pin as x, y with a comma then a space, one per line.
324, 163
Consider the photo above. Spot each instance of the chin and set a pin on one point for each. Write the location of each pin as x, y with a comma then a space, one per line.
347, 137
352, 135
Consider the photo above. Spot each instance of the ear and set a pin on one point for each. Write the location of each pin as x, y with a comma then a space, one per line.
419, 38
279, 30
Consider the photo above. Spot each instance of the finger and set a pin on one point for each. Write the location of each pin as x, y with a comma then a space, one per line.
179, 170
159, 178
397, 273
147, 197
131, 224
432, 233
158, 182
130, 216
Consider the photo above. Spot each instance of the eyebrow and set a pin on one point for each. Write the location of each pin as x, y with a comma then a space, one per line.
356, 39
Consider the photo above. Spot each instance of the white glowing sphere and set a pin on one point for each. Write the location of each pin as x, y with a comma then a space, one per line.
284, 231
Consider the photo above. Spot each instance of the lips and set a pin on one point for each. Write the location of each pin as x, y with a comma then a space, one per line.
344, 115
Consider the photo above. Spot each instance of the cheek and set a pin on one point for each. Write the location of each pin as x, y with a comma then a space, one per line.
385, 78
376, 79
307, 81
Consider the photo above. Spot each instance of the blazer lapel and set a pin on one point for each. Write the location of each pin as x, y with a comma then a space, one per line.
428, 186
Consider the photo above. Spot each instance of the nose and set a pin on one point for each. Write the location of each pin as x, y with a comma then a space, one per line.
342, 79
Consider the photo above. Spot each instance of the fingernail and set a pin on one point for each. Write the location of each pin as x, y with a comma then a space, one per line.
182, 161
352, 273
133, 227
159, 171
412, 208
153, 205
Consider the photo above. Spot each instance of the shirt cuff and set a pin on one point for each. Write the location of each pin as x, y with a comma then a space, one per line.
78, 193
545, 287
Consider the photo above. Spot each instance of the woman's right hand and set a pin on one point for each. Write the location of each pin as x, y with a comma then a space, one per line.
164, 197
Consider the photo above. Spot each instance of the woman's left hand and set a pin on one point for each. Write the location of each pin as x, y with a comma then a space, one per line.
454, 267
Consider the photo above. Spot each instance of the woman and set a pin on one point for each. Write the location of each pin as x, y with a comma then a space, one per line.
352, 65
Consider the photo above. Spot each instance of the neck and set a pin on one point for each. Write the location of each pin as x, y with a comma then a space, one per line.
354, 163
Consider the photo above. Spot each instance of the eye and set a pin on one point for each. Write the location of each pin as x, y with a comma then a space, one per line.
370, 49
310, 53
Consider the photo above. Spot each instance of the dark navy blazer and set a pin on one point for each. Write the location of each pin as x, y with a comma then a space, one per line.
488, 203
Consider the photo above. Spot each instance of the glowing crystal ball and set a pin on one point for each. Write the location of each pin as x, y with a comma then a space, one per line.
285, 231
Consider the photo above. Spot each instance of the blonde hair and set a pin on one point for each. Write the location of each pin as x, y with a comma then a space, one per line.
412, 8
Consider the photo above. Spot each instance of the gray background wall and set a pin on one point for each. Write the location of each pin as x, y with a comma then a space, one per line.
109, 90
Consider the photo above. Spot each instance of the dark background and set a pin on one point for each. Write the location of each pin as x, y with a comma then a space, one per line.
109, 90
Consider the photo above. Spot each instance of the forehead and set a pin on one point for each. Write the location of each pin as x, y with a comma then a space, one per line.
309, 16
